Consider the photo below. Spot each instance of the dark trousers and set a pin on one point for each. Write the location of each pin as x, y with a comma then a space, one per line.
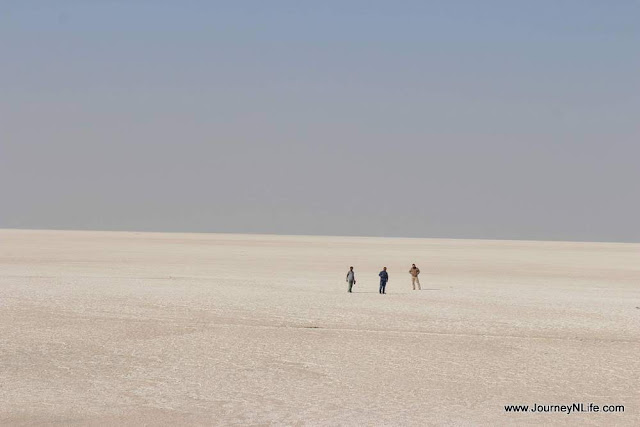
350, 285
382, 286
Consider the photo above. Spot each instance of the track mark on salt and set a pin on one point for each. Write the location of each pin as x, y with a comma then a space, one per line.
431, 333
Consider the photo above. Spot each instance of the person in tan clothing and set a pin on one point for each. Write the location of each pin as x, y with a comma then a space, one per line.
414, 277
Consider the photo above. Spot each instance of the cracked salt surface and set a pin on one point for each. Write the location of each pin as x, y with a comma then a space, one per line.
165, 329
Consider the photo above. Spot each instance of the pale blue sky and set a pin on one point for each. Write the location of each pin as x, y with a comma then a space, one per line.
479, 119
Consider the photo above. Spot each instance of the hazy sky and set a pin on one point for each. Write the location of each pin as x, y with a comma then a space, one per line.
480, 119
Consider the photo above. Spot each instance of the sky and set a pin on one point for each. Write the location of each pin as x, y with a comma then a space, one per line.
455, 119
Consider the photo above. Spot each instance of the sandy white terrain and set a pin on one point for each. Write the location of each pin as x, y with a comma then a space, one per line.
102, 328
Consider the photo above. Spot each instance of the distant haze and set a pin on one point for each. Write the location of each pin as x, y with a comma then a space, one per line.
463, 119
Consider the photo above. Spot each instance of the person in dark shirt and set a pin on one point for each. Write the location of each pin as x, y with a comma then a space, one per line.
384, 278
351, 278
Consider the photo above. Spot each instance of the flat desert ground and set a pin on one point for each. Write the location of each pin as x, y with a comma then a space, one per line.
124, 328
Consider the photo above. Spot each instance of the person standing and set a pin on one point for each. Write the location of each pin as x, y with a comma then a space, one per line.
384, 278
414, 277
351, 278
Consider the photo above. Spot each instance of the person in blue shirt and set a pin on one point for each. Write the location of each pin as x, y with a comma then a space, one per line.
384, 278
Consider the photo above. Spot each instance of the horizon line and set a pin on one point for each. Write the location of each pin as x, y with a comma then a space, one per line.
312, 235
